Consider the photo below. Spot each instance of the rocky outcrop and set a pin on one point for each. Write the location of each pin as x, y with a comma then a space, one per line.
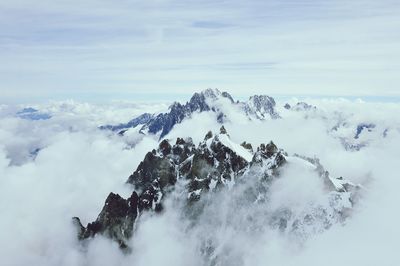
363, 126
216, 164
121, 128
301, 106
261, 107
257, 107
199, 102
115, 220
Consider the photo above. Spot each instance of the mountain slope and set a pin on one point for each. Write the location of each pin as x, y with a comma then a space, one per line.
211, 100
140, 120
219, 174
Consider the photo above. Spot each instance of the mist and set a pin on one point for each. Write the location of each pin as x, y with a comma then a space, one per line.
77, 165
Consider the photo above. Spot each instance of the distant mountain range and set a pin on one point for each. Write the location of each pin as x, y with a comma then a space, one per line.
352, 135
30, 113
257, 107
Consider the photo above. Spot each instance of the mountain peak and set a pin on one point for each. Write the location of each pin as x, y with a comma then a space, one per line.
222, 130
211, 93
257, 107
175, 105
217, 164
261, 107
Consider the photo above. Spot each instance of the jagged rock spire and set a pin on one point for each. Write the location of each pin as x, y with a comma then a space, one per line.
214, 165
209, 135
257, 107
222, 130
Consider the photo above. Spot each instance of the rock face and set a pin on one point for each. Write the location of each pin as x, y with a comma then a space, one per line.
261, 107
257, 107
300, 106
140, 120
202, 172
115, 220
363, 126
209, 165
200, 102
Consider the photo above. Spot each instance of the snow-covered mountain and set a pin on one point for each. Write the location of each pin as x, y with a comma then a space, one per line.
261, 107
353, 132
210, 100
300, 106
213, 200
140, 120
219, 174
30, 113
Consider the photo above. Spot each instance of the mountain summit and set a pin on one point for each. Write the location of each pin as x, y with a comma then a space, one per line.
216, 174
210, 100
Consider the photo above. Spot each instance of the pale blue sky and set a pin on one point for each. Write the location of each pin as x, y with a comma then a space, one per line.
72, 49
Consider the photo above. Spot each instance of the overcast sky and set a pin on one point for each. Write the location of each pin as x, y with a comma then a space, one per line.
126, 49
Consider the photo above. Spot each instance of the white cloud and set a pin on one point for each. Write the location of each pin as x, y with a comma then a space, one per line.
76, 169
75, 48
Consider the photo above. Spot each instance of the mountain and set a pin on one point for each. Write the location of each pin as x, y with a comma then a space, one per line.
300, 106
361, 127
261, 107
218, 173
210, 100
356, 135
140, 120
30, 113
352, 134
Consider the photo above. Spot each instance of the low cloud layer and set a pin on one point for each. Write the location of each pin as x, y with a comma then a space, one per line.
78, 165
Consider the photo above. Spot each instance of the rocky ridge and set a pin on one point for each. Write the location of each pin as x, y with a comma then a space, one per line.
257, 107
216, 164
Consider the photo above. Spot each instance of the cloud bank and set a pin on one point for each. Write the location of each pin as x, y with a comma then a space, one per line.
78, 165
85, 49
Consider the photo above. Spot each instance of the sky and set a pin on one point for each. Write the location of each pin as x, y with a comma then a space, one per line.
155, 49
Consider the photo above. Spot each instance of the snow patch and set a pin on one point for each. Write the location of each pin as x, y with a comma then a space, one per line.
239, 150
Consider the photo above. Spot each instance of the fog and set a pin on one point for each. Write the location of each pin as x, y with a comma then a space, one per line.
78, 165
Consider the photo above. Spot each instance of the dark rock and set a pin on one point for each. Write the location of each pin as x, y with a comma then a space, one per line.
209, 135
204, 170
165, 147
385, 132
222, 130
180, 141
153, 168
303, 106
362, 127
121, 128
177, 112
221, 118
261, 107
228, 96
247, 146
155, 175
115, 220
258, 106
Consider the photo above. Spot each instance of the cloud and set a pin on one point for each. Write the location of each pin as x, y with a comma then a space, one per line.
22, 139
70, 48
79, 165
72, 174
